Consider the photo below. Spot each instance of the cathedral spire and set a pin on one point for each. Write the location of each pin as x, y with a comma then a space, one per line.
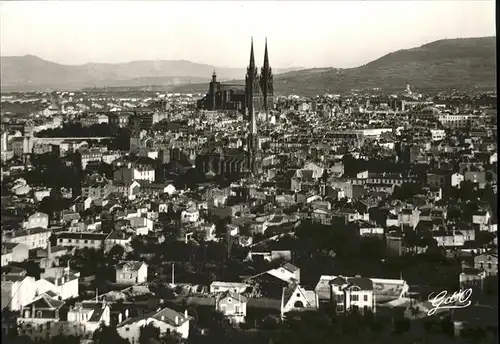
266, 58
252, 59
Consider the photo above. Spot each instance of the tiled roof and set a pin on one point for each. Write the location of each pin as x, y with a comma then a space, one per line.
166, 315
45, 302
132, 265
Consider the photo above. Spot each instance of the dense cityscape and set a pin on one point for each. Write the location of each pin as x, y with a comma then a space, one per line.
246, 215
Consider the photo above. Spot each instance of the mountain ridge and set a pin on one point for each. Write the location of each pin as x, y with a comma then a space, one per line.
32, 72
446, 63
438, 65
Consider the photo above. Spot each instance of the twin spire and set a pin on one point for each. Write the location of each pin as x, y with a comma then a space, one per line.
252, 58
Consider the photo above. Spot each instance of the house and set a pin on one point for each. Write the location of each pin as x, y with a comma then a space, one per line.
80, 204
221, 287
37, 220
367, 229
61, 281
91, 314
296, 298
287, 273
233, 306
166, 319
117, 237
190, 215
13, 252
471, 277
449, 238
81, 240
352, 293
456, 179
82, 320
132, 272
487, 262
18, 290
270, 255
33, 237
481, 218
409, 217
39, 315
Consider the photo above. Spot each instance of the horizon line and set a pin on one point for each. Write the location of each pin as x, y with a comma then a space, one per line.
222, 67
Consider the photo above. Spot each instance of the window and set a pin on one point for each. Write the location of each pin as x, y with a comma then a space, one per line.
355, 297
489, 265
69, 240
86, 241
365, 298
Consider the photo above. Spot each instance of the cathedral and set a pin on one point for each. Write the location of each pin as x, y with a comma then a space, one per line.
235, 97
257, 99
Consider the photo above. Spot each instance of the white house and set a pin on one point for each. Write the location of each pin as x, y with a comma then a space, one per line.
221, 287
59, 280
287, 273
38, 219
132, 272
456, 179
33, 238
118, 237
296, 298
481, 218
190, 215
13, 252
18, 290
233, 306
41, 321
166, 319
81, 240
356, 292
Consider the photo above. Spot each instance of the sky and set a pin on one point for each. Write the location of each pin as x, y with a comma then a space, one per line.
308, 34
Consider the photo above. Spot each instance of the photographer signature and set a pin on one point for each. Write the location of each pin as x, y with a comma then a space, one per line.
459, 299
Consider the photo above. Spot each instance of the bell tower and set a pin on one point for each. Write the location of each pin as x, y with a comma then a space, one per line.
266, 84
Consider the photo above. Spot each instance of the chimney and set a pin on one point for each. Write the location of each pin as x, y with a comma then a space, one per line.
186, 314
49, 249
119, 318
126, 313
162, 318
62, 280
177, 320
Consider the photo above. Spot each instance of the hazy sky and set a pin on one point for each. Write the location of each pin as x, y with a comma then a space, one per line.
306, 34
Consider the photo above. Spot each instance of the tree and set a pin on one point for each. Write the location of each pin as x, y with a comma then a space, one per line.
108, 334
116, 253
148, 332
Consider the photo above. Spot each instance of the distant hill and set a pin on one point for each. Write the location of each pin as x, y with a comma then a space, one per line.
449, 63
19, 73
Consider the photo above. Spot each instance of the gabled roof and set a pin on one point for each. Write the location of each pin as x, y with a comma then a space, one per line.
45, 302
132, 265
165, 315
235, 296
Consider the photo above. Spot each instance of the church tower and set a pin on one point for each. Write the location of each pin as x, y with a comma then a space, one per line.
213, 89
266, 84
253, 99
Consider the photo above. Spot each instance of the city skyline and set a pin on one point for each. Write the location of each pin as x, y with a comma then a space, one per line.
215, 33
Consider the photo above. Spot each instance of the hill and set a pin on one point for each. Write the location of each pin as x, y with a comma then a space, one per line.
444, 64
33, 73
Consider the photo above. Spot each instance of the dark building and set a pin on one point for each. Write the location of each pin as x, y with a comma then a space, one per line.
236, 97
222, 161
223, 97
256, 98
